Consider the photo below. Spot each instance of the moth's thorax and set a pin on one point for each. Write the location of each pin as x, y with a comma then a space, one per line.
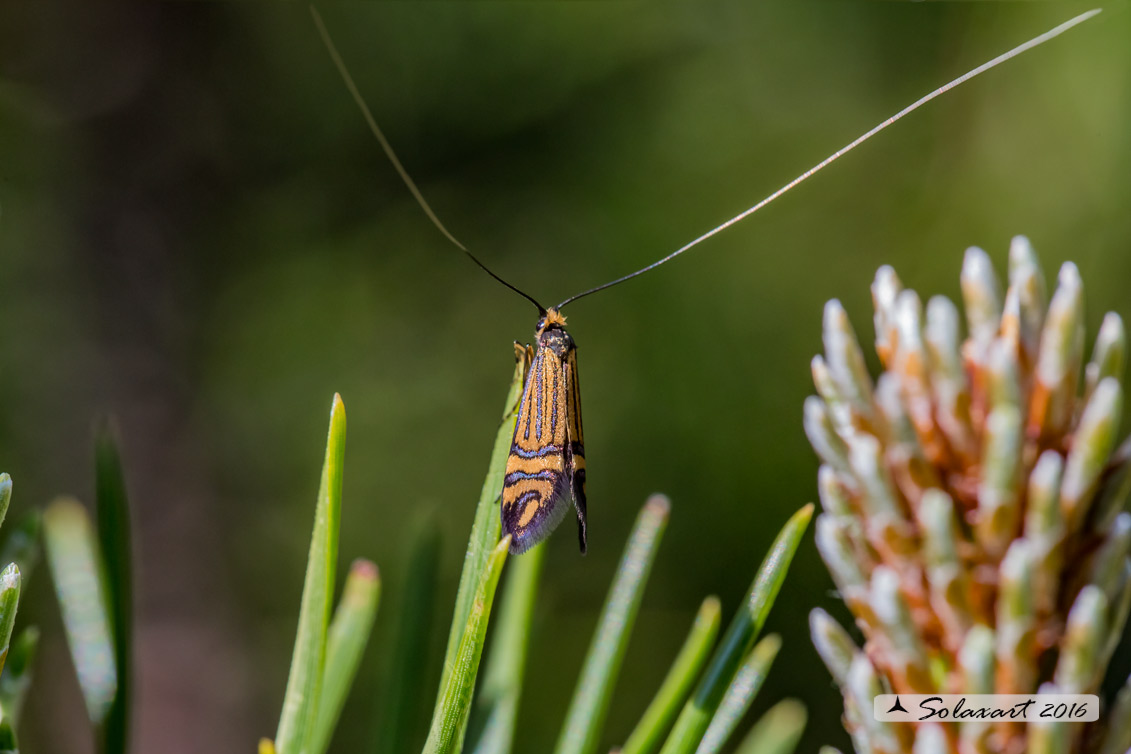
557, 340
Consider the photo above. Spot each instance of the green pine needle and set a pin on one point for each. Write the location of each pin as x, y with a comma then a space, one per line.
740, 695
113, 519
744, 628
72, 555
657, 719
778, 731
9, 603
345, 642
403, 711
450, 720
5, 495
304, 685
502, 680
586, 716
486, 527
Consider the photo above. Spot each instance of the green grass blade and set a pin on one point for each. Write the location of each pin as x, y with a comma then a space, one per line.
484, 530
21, 543
345, 643
778, 731
649, 732
300, 702
9, 603
586, 716
403, 712
74, 563
743, 630
502, 681
113, 520
747, 682
450, 719
16, 679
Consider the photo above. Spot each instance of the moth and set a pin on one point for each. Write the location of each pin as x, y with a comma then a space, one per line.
545, 471
546, 466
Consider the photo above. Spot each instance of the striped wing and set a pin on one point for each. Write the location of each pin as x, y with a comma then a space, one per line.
541, 469
575, 459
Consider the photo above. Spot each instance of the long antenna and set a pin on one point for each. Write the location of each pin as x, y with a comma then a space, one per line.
356, 94
1035, 41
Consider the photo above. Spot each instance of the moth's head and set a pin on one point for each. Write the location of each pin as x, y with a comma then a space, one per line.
550, 320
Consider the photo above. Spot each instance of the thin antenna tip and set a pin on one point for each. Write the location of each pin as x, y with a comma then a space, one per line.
1040, 39
1084, 16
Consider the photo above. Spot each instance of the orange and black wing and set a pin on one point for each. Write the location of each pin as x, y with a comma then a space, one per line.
575, 445
540, 474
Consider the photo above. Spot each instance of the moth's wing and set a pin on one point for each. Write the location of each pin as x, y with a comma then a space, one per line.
535, 508
575, 446
536, 485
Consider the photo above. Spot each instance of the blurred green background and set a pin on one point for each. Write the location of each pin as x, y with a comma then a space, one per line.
200, 235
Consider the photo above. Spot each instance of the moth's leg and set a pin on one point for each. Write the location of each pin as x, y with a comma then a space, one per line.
523, 356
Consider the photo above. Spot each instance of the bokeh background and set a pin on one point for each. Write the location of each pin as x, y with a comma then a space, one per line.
200, 236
